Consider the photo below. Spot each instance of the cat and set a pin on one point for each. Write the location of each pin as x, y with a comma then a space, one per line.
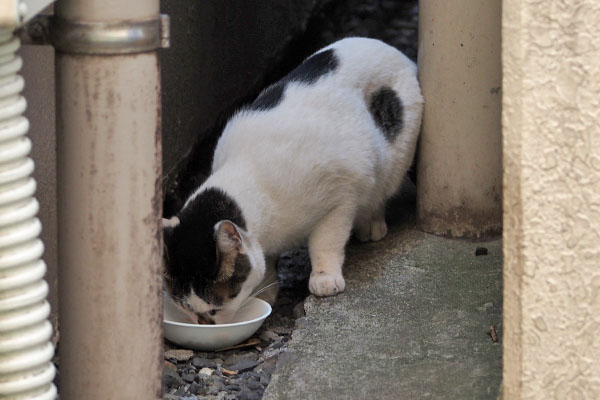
312, 159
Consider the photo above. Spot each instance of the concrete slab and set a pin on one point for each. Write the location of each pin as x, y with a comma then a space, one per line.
412, 324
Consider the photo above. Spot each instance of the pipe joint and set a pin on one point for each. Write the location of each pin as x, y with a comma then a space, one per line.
125, 37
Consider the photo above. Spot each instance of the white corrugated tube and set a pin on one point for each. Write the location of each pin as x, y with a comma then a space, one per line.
26, 368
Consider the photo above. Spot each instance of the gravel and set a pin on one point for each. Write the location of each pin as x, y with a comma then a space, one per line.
200, 362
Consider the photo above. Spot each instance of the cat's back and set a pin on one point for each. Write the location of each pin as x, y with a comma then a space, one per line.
319, 120
329, 90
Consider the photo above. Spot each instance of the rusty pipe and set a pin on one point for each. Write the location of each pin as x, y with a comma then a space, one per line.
109, 207
459, 190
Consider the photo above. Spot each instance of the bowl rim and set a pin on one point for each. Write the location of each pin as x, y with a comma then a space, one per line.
233, 324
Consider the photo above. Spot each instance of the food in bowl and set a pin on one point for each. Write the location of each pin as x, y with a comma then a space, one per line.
179, 329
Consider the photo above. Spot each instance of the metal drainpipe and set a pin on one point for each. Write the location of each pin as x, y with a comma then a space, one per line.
26, 370
109, 190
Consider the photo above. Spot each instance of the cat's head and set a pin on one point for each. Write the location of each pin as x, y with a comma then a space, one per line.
210, 269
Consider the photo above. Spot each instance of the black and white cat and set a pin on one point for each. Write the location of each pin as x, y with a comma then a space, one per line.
313, 158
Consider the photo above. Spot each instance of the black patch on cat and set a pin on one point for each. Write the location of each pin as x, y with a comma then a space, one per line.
307, 73
314, 67
215, 294
269, 98
386, 108
191, 256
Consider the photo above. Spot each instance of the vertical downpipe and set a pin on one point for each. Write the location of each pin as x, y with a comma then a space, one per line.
109, 201
26, 370
459, 190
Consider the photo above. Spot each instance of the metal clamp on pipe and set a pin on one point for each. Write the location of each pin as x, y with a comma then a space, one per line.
110, 38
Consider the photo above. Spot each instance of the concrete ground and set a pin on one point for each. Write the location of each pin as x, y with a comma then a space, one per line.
412, 324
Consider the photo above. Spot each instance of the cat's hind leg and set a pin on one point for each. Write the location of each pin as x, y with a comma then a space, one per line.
326, 246
371, 227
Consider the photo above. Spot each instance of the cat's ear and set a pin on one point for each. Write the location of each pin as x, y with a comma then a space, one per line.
169, 223
229, 245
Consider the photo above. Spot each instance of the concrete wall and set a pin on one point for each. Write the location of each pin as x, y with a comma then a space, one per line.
551, 130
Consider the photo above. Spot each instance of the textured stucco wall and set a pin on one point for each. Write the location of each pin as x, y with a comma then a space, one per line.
551, 122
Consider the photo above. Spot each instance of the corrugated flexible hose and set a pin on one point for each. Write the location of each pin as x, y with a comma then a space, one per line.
26, 368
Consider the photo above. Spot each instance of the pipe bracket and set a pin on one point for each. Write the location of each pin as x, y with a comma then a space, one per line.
125, 37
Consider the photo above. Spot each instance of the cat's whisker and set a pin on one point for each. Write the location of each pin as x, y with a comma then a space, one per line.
259, 291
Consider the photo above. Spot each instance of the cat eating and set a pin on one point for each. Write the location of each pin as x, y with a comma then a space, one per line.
312, 159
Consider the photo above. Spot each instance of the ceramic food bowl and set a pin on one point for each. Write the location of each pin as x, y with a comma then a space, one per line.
246, 321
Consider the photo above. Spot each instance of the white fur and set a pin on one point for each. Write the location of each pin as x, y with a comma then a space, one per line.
316, 166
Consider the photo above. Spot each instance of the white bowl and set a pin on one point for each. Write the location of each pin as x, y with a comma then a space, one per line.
213, 337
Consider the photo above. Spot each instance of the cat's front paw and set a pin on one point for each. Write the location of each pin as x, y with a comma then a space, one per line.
322, 284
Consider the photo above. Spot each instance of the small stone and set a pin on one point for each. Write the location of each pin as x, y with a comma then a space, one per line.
189, 378
170, 365
181, 391
233, 388
244, 365
265, 380
246, 375
255, 376
196, 388
299, 310
171, 378
481, 251
267, 367
235, 358
248, 395
206, 371
281, 330
215, 388
271, 352
254, 385
269, 336
179, 355
203, 362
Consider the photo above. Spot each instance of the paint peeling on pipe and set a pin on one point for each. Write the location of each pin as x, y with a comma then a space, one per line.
109, 209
